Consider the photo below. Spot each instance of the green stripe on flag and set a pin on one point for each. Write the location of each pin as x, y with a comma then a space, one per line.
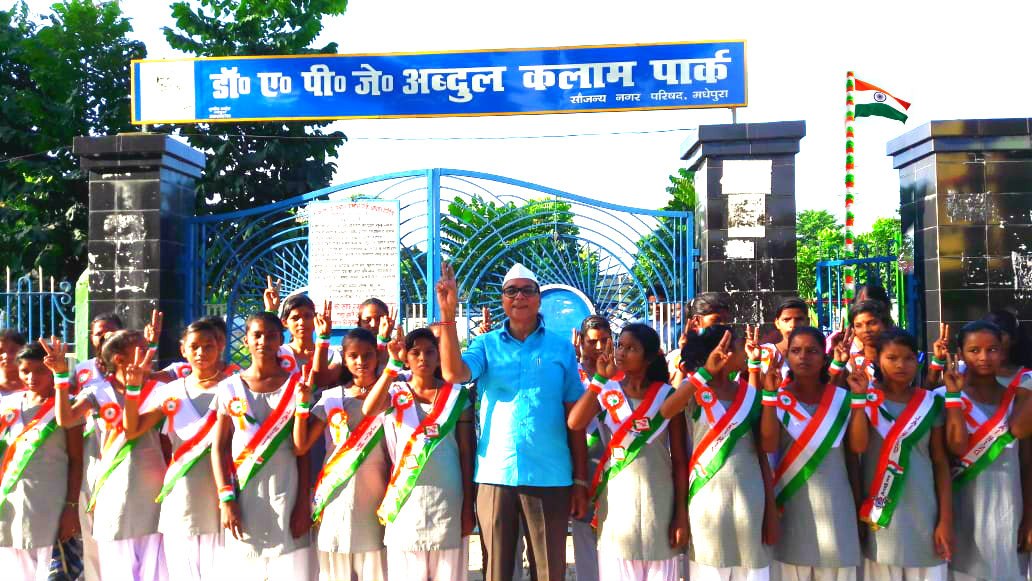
880, 110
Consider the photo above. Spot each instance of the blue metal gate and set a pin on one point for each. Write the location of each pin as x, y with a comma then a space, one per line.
873, 266
589, 256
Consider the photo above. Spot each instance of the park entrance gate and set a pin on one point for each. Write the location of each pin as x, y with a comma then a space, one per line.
590, 257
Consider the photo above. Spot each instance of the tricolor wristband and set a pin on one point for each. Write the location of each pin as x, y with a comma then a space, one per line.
152, 347
758, 365
394, 366
936, 364
381, 342
836, 366
322, 341
62, 381
770, 398
858, 400
303, 405
597, 383
703, 375
227, 493
133, 391
954, 400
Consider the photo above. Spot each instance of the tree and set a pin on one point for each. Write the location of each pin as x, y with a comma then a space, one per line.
810, 223
289, 158
62, 75
682, 192
654, 262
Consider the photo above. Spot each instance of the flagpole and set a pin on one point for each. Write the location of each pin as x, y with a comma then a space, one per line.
850, 184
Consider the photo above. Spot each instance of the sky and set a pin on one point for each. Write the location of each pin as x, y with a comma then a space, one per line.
951, 60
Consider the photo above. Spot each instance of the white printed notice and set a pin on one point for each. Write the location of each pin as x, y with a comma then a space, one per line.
354, 253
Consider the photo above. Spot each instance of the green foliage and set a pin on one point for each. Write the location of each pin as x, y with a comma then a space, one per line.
62, 75
819, 237
654, 261
292, 158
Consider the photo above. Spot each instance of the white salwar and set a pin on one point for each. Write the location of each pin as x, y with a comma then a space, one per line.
33, 564
881, 572
803, 573
135, 559
616, 569
697, 572
442, 565
292, 566
193, 558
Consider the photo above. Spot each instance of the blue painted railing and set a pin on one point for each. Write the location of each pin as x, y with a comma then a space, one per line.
38, 306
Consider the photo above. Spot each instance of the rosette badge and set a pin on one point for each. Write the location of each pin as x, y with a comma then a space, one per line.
110, 412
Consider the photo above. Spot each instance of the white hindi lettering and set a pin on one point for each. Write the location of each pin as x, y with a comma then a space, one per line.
629, 97
582, 76
229, 84
322, 82
422, 81
711, 94
372, 81
684, 71
273, 84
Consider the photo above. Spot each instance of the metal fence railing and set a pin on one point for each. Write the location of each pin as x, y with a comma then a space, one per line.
38, 306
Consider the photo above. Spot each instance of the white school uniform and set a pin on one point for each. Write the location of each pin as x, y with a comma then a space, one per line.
86, 374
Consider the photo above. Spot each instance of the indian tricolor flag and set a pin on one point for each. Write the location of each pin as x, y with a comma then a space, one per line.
871, 101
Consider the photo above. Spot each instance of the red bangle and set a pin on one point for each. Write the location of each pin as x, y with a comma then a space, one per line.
445, 323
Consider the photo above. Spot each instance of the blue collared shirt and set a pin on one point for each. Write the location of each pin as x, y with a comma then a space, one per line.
521, 387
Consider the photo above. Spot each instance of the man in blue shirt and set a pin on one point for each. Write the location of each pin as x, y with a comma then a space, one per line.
530, 467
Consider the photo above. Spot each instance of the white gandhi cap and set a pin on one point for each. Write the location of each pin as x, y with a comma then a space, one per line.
519, 271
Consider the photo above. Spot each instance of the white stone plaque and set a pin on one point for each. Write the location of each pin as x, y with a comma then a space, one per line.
740, 249
746, 216
354, 253
746, 176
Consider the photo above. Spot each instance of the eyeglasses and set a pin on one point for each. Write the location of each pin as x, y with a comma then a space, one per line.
512, 291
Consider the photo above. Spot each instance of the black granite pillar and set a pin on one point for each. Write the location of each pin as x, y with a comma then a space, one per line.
966, 196
746, 217
141, 190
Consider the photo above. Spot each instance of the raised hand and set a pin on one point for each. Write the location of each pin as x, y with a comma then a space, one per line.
56, 360
271, 296
772, 379
485, 321
941, 347
605, 365
387, 323
752, 343
955, 380
152, 330
139, 369
858, 380
324, 320
720, 355
447, 292
841, 351
396, 346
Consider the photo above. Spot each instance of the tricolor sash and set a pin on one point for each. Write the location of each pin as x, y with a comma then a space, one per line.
631, 429
352, 449
255, 441
86, 374
713, 450
420, 440
23, 441
190, 426
115, 447
899, 435
812, 438
989, 436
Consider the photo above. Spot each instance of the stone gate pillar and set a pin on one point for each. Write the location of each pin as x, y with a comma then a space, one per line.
141, 191
966, 202
745, 224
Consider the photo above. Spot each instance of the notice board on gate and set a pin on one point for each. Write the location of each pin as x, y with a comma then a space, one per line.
354, 253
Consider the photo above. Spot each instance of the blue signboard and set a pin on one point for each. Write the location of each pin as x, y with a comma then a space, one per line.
501, 82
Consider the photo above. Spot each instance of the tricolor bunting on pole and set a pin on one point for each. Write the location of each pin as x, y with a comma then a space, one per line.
862, 100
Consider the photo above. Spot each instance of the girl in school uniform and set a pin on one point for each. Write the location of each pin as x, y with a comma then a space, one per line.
868, 319
906, 474
11, 343
990, 504
263, 499
129, 471
189, 516
641, 483
726, 468
803, 423
428, 507
41, 469
297, 316
353, 480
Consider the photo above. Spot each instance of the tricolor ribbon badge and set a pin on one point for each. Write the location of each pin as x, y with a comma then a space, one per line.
787, 402
612, 400
83, 377
641, 424
401, 402
110, 412
619, 453
410, 462
706, 398
238, 409
7, 418
875, 397
185, 371
894, 467
338, 421
287, 363
170, 407
432, 431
